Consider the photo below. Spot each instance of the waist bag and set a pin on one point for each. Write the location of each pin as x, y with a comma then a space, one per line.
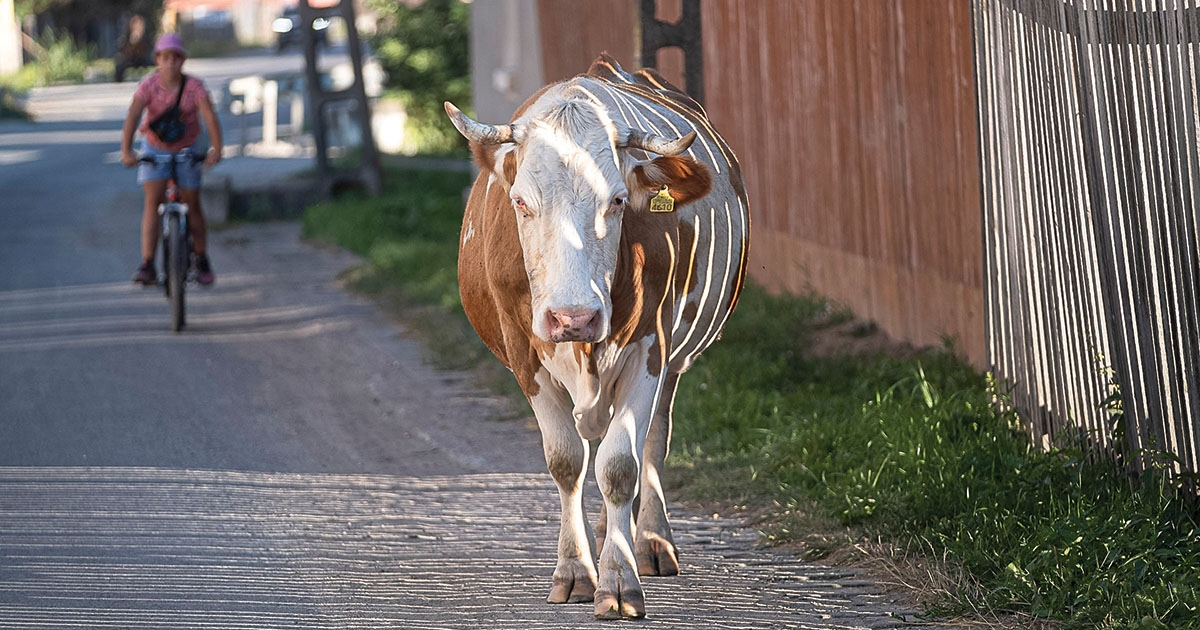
167, 125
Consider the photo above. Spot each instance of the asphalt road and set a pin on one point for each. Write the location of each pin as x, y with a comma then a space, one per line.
290, 459
278, 370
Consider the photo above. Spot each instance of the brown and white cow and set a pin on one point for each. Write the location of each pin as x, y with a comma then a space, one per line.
596, 303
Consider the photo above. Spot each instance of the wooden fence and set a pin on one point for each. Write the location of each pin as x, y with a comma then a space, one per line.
1088, 115
855, 125
869, 132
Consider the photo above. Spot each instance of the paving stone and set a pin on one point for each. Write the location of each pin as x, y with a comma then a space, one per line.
156, 548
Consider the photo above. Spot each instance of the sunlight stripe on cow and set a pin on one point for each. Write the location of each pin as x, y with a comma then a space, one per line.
704, 293
714, 327
639, 107
681, 301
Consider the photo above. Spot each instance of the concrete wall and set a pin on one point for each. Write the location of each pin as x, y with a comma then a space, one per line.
506, 57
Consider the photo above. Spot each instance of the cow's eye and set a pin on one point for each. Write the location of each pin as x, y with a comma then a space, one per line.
519, 204
619, 203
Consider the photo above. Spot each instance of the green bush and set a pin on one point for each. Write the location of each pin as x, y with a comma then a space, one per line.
60, 60
424, 50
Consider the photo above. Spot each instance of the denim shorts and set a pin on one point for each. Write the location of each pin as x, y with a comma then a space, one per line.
187, 172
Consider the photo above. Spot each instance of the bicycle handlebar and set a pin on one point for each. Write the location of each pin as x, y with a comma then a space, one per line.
194, 158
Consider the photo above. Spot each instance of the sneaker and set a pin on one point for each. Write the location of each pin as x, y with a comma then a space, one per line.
204, 273
146, 274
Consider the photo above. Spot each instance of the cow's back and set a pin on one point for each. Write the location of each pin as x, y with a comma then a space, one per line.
713, 234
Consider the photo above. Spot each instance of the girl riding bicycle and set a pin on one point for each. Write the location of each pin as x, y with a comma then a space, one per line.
155, 95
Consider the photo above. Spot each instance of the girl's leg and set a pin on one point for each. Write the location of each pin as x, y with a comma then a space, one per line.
197, 227
153, 190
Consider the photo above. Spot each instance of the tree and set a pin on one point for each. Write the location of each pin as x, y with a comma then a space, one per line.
78, 19
423, 48
35, 7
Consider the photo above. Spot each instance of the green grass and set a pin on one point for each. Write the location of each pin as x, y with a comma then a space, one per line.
408, 233
914, 450
408, 239
910, 450
57, 60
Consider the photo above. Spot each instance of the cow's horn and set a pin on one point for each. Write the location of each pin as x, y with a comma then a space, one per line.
476, 131
655, 143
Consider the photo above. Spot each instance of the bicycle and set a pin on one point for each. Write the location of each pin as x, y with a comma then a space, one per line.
176, 243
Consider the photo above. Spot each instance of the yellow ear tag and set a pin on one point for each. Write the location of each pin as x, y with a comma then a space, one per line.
662, 202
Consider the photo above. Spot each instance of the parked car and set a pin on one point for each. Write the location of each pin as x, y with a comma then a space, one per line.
287, 29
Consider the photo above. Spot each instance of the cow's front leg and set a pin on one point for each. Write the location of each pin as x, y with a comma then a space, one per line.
566, 457
655, 547
617, 471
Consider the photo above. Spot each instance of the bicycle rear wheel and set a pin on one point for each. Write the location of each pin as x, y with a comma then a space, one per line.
177, 266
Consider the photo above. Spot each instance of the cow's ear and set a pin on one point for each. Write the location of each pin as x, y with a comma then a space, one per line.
686, 180
498, 159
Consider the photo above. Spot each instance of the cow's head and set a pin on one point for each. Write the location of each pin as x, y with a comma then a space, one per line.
571, 179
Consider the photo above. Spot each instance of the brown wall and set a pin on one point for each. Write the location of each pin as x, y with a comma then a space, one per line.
855, 124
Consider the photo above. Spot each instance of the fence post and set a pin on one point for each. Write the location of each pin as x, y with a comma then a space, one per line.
654, 34
368, 172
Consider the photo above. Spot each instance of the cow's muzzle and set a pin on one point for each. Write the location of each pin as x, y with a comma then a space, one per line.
582, 325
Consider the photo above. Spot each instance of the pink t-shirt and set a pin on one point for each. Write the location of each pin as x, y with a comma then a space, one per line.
159, 99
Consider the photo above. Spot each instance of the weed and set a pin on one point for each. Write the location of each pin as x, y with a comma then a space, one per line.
59, 60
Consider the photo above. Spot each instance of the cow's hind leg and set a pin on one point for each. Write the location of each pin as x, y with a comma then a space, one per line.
655, 547
566, 457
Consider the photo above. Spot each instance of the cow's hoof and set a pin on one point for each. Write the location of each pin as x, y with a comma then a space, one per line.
573, 583
656, 556
630, 604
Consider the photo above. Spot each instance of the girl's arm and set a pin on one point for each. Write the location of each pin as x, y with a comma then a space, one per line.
214, 130
132, 118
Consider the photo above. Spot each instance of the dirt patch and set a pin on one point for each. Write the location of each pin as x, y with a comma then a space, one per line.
856, 337
912, 574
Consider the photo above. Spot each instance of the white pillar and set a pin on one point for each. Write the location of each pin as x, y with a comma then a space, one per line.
270, 112
10, 39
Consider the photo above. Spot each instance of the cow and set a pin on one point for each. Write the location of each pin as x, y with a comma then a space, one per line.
603, 247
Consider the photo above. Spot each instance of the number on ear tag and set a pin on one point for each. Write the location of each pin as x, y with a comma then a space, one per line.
662, 202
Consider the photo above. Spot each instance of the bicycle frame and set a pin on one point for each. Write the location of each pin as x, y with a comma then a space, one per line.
176, 243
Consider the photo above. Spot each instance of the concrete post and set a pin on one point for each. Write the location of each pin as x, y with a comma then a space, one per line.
270, 126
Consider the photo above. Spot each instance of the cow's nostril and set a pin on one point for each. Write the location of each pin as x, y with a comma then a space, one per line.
572, 324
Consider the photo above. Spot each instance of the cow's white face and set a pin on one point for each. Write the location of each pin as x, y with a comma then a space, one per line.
569, 195
566, 173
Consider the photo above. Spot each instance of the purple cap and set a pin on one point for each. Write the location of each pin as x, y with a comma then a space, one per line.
170, 41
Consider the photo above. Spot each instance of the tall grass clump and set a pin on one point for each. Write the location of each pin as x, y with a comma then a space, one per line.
409, 232
10, 105
916, 450
408, 238
59, 60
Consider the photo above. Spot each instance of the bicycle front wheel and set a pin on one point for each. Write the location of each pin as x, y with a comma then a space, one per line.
177, 266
